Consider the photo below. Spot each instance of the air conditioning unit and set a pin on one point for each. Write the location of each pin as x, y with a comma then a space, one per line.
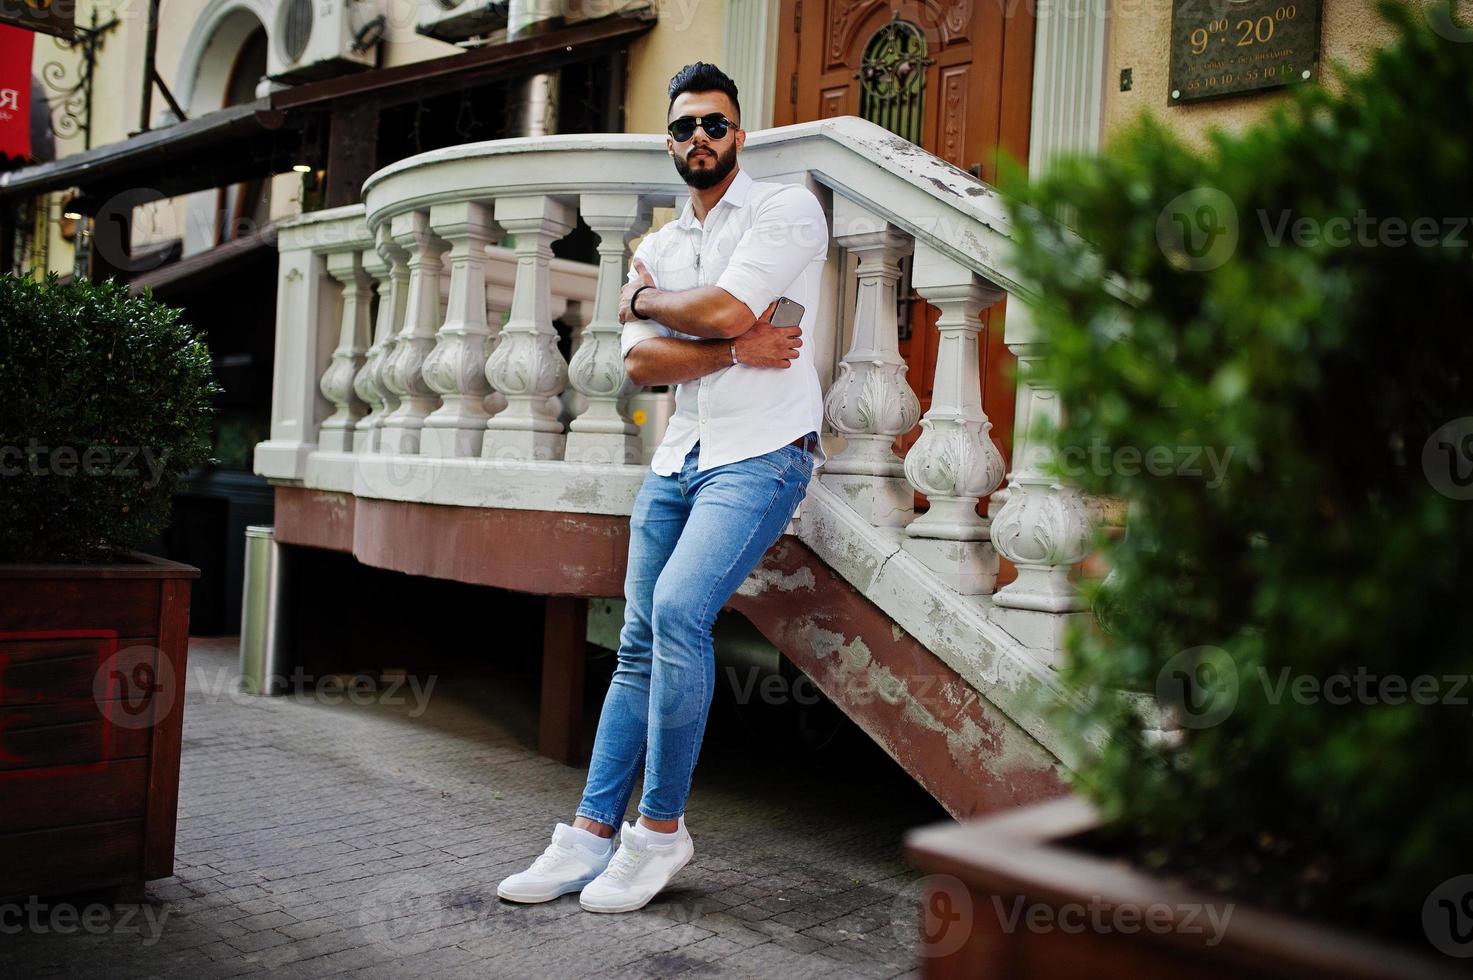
315, 39
456, 20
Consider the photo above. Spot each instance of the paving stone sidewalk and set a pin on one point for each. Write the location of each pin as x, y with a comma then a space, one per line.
338, 839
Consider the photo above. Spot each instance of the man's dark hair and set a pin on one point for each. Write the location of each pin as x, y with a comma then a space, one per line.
703, 77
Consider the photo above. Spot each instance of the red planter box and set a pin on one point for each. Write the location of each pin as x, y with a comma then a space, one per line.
1015, 896
92, 670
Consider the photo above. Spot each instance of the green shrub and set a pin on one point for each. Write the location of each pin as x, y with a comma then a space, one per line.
1338, 541
106, 401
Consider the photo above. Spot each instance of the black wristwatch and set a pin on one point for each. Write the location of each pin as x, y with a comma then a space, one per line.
634, 297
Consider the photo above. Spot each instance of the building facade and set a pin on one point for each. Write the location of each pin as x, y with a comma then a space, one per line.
404, 226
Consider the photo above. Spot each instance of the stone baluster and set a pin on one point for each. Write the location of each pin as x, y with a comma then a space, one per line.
870, 401
456, 368
1044, 526
954, 462
337, 429
388, 264
403, 374
602, 433
526, 365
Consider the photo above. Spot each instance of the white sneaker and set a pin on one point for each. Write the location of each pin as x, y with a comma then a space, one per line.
641, 867
567, 865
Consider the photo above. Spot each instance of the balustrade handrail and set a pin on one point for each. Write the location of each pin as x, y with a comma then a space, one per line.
924, 196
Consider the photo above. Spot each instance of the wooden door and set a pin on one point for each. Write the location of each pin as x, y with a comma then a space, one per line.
973, 101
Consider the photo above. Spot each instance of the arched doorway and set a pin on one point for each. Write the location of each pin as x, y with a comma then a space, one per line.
244, 207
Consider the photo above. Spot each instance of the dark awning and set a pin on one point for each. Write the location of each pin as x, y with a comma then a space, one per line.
267, 136
198, 269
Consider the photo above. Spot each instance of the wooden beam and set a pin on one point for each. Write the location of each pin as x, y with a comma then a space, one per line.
564, 645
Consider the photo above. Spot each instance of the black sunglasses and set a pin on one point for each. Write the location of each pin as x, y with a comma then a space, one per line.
715, 125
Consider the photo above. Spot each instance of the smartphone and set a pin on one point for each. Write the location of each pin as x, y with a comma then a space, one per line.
787, 314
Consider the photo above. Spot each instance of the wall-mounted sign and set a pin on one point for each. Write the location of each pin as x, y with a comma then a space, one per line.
47, 16
1229, 47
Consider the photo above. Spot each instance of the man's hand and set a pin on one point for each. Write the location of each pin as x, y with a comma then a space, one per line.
645, 279
766, 346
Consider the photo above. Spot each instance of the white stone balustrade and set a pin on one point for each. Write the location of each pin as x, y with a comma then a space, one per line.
456, 368
602, 433
954, 462
1044, 526
388, 265
404, 370
347, 269
527, 366
446, 404
870, 402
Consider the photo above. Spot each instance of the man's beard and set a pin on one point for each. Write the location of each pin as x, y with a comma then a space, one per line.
707, 176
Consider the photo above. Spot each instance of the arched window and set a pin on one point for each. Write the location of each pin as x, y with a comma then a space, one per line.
892, 79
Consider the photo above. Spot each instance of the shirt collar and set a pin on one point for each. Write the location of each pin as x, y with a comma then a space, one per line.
736, 196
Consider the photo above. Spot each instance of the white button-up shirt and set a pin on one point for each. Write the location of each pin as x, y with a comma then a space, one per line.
762, 240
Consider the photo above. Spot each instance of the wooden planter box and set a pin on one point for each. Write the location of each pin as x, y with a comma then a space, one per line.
1014, 896
92, 669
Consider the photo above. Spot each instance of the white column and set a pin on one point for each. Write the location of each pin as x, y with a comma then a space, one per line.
1044, 526
602, 433
526, 365
749, 56
456, 368
870, 402
954, 462
1069, 69
304, 308
388, 263
403, 374
337, 380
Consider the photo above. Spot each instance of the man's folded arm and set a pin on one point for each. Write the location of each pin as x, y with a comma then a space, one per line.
674, 360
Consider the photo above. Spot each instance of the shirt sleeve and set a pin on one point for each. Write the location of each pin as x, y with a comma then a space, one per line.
789, 232
638, 330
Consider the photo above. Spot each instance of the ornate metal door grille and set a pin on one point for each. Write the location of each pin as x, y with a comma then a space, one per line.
892, 79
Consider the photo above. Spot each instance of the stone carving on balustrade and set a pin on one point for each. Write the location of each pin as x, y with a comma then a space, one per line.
603, 432
456, 368
336, 385
955, 462
1044, 528
526, 365
870, 402
404, 371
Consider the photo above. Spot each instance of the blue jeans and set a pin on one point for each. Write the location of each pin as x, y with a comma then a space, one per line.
693, 538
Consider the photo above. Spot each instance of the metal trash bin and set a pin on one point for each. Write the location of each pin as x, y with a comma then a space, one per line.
262, 621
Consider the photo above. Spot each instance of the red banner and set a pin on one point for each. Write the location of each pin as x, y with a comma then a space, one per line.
15, 91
